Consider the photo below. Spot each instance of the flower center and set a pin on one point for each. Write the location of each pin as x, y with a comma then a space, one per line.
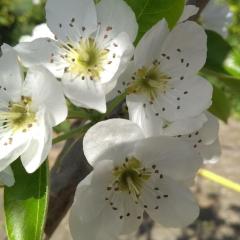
86, 58
150, 82
19, 117
130, 177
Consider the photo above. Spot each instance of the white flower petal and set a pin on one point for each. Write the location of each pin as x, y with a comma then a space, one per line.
12, 146
109, 134
46, 92
132, 215
108, 89
103, 227
188, 98
211, 153
120, 52
189, 11
144, 117
153, 124
173, 157
42, 51
121, 83
39, 147
209, 132
40, 31
117, 213
111, 88
10, 74
124, 216
149, 48
115, 16
84, 93
7, 177
71, 19
206, 135
216, 16
90, 193
184, 51
173, 205
205, 140
184, 126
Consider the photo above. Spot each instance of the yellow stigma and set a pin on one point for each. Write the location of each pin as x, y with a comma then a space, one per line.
19, 117
86, 58
150, 82
130, 177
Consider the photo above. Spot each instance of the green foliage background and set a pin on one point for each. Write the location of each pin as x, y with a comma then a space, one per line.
234, 39
17, 18
235, 28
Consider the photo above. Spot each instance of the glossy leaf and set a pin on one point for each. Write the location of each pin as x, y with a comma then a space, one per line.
231, 83
26, 203
218, 50
221, 106
149, 12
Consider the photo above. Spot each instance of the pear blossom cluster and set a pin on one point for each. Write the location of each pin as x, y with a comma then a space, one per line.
85, 54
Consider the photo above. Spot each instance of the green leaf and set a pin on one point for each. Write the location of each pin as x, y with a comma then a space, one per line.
149, 12
221, 106
218, 50
232, 83
224, 81
26, 203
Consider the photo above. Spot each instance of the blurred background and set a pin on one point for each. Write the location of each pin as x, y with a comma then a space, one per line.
220, 207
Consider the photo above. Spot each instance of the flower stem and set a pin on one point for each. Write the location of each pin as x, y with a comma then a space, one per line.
79, 131
115, 102
78, 114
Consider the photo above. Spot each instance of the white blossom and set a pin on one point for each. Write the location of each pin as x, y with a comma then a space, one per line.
28, 110
132, 174
206, 140
92, 47
6, 177
215, 16
164, 92
158, 126
200, 131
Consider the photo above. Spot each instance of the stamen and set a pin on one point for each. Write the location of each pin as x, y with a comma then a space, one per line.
130, 177
149, 81
18, 116
85, 57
